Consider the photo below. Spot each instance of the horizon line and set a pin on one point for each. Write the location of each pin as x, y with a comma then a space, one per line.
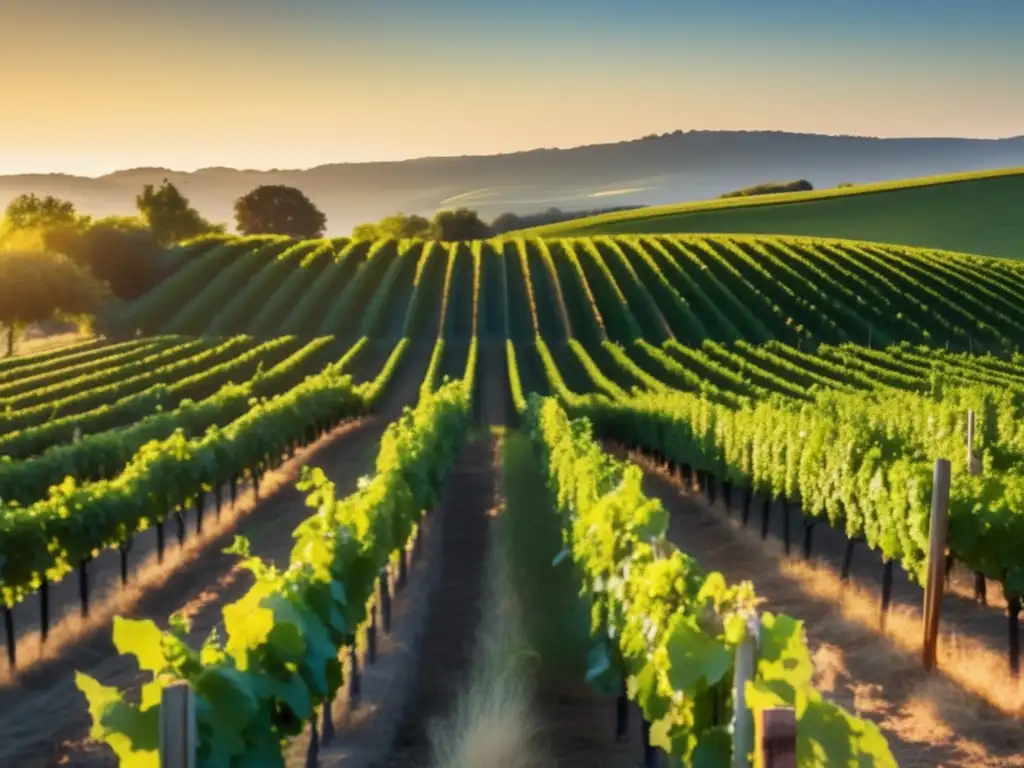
396, 161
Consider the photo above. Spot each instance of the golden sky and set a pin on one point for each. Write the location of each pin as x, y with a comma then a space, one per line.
90, 87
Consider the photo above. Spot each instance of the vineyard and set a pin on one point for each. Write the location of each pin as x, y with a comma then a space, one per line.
248, 488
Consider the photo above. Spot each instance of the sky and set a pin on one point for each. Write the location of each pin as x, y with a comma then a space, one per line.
90, 87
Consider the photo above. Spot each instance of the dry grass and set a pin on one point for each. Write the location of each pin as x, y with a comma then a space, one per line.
28, 346
972, 664
493, 725
967, 713
151, 575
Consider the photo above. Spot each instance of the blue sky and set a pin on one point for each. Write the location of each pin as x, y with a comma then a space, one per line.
94, 86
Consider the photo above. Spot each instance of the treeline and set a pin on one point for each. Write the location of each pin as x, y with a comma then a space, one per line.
56, 263
508, 222
772, 188
465, 224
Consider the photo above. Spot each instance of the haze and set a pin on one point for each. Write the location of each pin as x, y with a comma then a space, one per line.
94, 87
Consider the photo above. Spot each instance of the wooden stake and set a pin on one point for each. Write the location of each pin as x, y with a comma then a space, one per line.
785, 526
622, 713
980, 588
124, 548
327, 724
973, 463
808, 537
745, 668
200, 507
848, 559
354, 687
371, 637
177, 726
384, 599
83, 586
886, 594
12, 641
160, 541
44, 609
650, 753
776, 738
313, 750
936, 561
1013, 609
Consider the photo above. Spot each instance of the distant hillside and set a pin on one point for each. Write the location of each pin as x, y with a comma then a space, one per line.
655, 170
975, 213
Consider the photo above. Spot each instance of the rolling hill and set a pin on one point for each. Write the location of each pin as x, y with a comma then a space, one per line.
655, 170
976, 213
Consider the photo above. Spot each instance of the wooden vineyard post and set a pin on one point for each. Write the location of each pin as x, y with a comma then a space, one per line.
776, 738
936, 561
973, 462
745, 668
177, 727
974, 468
12, 641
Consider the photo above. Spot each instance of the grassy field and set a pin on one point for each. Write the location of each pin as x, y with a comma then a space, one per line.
975, 213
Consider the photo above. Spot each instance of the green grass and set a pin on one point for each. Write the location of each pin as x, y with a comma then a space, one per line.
976, 213
556, 620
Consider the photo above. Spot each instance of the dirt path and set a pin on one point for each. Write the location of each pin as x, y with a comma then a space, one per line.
389, 724
453, 613
45, 721
493, 384
579, 726
929, 720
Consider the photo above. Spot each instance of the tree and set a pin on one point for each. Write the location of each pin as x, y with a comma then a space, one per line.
280, 210
32, 212
168, 214
122, 252
38, 286
460, 224
399, 226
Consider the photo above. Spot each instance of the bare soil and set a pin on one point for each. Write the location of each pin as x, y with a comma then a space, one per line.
44, 718
579, 726
448, 640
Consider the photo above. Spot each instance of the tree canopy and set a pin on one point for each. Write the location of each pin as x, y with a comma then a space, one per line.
33, 212
169, 215
399, 226
39, 286
279, 210
120, 251
451, 226
460, 224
